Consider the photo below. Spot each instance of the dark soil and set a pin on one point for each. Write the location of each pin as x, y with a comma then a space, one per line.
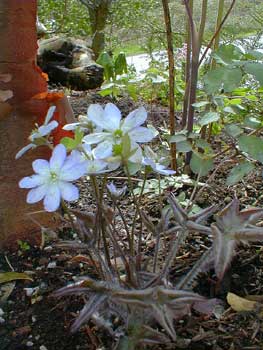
40, 321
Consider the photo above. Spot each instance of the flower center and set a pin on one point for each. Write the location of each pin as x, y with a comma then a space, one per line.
118, 133
117, 149
53, 176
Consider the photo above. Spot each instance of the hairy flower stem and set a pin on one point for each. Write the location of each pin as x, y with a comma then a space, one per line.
130, 276
220, 11
170, 51
67, 211
187, 69
137, 204
196, 38
137, 210
117, 206
100, 219
191, 200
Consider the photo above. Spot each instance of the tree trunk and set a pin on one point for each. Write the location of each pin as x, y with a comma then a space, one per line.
98, 14
18, 40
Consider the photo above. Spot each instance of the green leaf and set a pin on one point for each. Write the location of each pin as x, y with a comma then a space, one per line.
200, 104
12, 276
252, 122
120, 64
226, 78
235, 101
183, 146
208, 118
255, 69
106, 62
227, 53
254, 54
238, 172
68, 142
252, 145
230, 110
233, 130
105, 92
178, 137
200, 143
201, 164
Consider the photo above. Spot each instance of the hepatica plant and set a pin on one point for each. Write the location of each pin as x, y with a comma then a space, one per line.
134, 298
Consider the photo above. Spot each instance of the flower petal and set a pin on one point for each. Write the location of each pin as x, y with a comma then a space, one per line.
32, 181
95, 138
141, 134
72, 126
74, 158
96, 167
161, 169
137, 156
68, 191
95, 114
24, 150
46, 129
73, 173
113, 165
149, 162
134, 119
58, 157
36, 194
50, 114
41, 166
103, 150
87, 149
52, 198
112, 117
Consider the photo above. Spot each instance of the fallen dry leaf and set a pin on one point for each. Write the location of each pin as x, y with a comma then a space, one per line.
12, 276
5, 78
5, 95
242, 304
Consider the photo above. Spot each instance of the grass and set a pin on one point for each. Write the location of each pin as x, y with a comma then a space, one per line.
130, 49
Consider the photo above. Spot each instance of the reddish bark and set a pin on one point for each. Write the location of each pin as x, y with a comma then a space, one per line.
18, 40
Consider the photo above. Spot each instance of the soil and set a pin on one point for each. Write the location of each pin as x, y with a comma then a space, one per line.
33, 319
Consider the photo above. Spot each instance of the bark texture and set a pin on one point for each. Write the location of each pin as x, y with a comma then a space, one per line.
18, 47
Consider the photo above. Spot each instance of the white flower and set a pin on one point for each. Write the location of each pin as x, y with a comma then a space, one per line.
116, 193
157, 167
47, 127
151, 159
52, 179
114, 128
40, 132
93, 166
84, 123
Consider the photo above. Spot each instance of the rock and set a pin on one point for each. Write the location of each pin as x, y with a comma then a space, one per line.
42, 347
29, 344
52, 265
69, 62
1, 312
2, 320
